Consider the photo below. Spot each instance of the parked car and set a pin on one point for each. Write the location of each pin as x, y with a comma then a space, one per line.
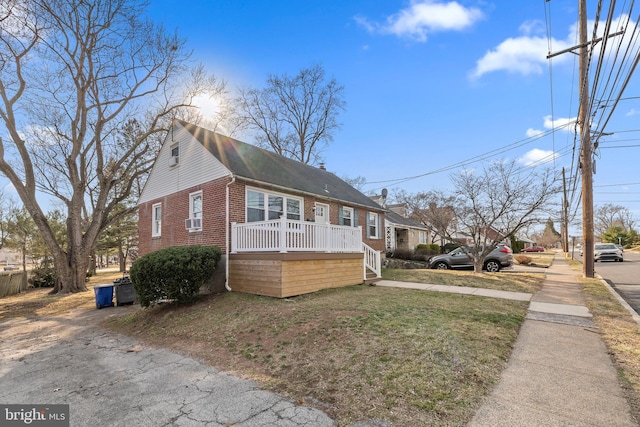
10, 268
461, 258
533, 249
607, 251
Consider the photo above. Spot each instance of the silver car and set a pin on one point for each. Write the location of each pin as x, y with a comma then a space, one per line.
460, 258
607, 251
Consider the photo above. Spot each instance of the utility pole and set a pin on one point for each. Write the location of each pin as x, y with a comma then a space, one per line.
565, 214
586, 156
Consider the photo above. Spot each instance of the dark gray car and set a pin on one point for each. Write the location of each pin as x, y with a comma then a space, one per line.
461, 258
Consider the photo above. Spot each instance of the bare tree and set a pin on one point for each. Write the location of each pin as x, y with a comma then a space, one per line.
434, 209
293, 116
497, 202
87, 90
549, 237
7, 211
609, 215
357, 182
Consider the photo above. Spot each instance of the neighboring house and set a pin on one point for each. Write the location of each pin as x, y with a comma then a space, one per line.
527, 242
10, 257
285, 228
401, 232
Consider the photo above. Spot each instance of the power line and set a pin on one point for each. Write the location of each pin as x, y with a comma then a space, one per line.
475, 159
616, 185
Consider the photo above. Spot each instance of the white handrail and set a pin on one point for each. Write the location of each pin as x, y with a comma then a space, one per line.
284, 235
372, 261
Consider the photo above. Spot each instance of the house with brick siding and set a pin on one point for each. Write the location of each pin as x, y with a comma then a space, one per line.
285, 228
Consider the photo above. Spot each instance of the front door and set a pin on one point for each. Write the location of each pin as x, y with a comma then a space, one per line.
322, 213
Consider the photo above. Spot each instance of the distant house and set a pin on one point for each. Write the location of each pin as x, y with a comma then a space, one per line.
401, 232
527, 242
10, 257
285, 228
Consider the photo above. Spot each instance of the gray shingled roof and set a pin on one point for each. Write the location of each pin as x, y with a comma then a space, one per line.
248, 161
395, 218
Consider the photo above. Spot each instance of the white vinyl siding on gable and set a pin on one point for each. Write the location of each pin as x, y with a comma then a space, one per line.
156, 220
197, 166
262, 205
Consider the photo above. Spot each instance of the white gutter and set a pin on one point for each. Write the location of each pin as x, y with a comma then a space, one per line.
227, 236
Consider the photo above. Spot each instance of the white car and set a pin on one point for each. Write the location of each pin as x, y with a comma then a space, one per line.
607, 251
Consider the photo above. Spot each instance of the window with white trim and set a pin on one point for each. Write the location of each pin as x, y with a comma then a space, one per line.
175, 155
262, 205
156, 220
195, 211
422, 237
347, 216
373, 225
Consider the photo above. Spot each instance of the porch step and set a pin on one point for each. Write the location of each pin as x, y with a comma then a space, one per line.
371, 279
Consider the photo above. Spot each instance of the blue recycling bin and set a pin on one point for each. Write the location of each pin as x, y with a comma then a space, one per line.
104, 295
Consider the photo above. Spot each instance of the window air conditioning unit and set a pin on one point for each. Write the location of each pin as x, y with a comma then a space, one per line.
193, 223
173, 161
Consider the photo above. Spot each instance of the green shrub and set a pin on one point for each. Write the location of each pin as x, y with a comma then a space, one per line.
402, 254
43, 275
424, 252
174, 273
516, 245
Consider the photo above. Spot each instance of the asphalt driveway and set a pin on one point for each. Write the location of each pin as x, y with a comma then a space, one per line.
113, 380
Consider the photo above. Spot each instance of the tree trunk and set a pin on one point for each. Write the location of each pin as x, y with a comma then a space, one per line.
92, 263
477, 266
71, 272
122, 259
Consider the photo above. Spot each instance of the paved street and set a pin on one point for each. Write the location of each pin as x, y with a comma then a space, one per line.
624, 277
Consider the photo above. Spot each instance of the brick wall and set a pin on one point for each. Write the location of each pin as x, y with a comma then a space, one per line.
175, 209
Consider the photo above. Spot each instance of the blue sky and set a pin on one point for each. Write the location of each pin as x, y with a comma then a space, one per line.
428, 84
431, 86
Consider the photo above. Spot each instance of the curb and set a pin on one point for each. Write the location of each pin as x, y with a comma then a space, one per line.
634, 315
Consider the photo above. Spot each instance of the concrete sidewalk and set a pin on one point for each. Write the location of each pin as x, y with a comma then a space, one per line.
560, 373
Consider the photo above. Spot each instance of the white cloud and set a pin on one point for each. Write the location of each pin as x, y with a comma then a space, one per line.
527, 54
537, 157
424, 17
564, 124
534, 132
521, 55
632, 112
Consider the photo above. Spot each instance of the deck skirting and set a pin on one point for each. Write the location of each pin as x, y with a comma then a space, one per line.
283, 275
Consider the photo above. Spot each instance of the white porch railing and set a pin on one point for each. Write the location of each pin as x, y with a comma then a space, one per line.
285, 235
372, 261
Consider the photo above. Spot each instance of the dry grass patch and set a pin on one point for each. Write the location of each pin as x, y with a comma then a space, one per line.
359, 353
621, 335
504, 281
38, 302
538, 259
